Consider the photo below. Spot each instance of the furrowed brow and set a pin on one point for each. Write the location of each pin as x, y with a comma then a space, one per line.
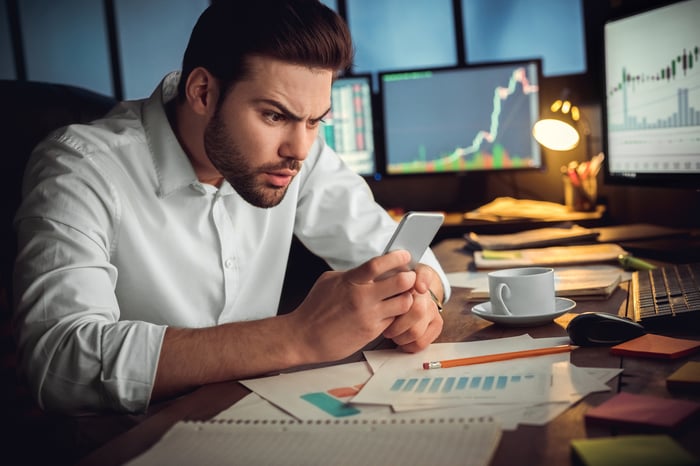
289, 114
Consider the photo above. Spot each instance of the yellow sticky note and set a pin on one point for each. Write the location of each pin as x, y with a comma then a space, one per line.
489, 254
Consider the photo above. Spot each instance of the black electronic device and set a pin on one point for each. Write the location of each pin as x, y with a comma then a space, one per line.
665, 296
651, 105
461, 119
602, 329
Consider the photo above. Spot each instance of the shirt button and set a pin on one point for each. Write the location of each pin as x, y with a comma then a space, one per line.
228, 263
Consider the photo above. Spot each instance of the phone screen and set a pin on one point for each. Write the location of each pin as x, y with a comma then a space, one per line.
414, 234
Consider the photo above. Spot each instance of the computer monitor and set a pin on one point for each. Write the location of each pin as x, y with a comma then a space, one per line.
461, 119
651, 109
349, 127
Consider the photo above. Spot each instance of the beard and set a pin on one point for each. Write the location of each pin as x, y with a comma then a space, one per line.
229, 160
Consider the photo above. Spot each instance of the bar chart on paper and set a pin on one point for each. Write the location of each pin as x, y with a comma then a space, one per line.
470, 385
457, 384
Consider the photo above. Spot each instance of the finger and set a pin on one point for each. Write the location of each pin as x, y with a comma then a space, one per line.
406, 328
419, 344
424, 277
378, 266
394, 307
414, 325
409, 326
400, 282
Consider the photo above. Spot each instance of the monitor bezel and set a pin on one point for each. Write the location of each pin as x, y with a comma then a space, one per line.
658, 180
438, 69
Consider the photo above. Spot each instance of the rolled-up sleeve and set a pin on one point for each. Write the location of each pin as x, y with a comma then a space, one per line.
75, 352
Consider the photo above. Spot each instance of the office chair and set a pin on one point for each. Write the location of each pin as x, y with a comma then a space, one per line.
30, 110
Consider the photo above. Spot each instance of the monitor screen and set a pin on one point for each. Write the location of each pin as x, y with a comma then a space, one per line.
651, 109
467, 118
349, 127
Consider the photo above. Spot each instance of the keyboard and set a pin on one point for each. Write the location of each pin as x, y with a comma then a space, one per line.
665, 295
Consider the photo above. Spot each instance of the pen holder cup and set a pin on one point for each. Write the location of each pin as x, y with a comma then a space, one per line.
581, 196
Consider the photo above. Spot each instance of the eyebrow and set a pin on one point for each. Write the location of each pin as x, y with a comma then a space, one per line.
288, 113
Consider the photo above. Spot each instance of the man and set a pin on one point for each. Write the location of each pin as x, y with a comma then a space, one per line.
153, 243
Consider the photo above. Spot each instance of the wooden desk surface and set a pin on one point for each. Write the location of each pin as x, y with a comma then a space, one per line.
528, 445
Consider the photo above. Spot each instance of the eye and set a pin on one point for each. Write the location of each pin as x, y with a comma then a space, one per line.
315, 123
274, 117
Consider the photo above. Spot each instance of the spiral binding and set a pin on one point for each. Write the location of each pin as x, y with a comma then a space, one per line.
357, 422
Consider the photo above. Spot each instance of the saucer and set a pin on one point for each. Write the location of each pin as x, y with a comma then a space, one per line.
562, 305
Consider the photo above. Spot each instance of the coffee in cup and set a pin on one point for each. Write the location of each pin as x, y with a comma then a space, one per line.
522, 291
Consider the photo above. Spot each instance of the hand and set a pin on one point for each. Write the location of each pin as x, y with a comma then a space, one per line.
346, 310
422, 324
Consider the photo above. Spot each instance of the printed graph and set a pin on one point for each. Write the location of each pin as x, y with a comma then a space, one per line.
469, 385
457, 384
334, 401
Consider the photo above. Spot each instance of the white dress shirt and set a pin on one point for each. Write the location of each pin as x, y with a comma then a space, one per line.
118, 239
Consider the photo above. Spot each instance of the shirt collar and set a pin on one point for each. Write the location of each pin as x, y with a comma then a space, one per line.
173, 167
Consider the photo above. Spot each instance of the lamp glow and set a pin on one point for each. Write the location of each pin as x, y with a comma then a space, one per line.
555, 134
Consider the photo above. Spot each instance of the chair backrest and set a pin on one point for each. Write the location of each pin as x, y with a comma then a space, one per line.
30, 111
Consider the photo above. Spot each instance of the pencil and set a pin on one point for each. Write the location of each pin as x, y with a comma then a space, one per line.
497, 357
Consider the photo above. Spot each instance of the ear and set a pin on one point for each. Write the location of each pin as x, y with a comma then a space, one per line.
202, 91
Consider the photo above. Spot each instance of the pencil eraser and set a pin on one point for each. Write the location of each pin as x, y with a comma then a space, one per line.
426, 365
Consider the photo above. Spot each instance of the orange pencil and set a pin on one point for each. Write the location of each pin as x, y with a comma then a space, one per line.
498, 357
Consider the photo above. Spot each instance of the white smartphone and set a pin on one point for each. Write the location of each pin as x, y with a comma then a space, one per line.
414, 234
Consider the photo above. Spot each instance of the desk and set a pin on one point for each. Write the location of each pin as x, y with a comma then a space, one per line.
546, 445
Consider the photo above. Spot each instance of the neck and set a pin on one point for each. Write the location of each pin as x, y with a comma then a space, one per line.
189, 131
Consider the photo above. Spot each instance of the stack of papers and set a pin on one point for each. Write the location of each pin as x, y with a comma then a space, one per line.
392, 384
535, 238
553, 255
506, 208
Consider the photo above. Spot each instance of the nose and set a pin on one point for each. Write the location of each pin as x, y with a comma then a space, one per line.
297, 142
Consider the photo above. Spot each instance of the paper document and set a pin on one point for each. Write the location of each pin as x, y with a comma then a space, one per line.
537, 237
552, 256
450, 441
322, 393
326, 393
402, 382
503, 208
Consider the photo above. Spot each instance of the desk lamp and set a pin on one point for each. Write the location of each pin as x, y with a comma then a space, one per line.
558, 129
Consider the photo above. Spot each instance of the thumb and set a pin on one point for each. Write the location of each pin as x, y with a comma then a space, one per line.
378, 266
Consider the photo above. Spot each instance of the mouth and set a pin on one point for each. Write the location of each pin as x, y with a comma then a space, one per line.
280, 178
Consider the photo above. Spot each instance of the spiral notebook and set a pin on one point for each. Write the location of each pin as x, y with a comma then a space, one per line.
438, 441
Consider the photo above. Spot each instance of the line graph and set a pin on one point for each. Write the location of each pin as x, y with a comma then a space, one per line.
462, 119
500, 94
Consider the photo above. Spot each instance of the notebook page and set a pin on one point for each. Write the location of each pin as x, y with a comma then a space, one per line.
339, 442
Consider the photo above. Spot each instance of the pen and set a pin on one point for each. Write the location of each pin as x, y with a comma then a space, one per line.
632, 263
497, 357
596, 163
573, 174
577, 186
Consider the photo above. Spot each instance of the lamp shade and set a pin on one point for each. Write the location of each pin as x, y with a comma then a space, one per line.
558, 129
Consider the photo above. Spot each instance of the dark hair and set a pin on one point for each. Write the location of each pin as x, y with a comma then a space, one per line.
304, 32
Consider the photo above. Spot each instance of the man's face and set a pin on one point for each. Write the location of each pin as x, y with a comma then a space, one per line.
264, 127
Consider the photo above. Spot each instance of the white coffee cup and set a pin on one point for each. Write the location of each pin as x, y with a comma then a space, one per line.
522, 291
